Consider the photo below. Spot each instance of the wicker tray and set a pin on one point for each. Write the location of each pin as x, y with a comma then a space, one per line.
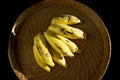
91, 64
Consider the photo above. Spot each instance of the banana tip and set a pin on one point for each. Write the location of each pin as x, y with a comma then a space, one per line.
47, 69
52, 65
72, 55
84, 36
66, 66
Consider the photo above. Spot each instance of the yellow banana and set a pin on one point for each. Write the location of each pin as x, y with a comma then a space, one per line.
42, 49
40, 60
66, 19
73, 47
67, 31
58, 45
58, 58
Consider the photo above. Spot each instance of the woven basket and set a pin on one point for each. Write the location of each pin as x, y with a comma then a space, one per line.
91, 64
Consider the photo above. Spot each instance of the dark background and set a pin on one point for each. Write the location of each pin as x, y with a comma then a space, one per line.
11, 9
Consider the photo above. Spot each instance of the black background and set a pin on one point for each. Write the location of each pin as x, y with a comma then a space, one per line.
11, 9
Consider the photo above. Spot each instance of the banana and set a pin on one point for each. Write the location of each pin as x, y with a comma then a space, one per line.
40, 60
66, 19
57, 44
58, 36
73, 47
40, 43
58, 58
67, 31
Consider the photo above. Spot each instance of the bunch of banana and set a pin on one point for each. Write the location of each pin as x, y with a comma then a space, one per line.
54, 44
